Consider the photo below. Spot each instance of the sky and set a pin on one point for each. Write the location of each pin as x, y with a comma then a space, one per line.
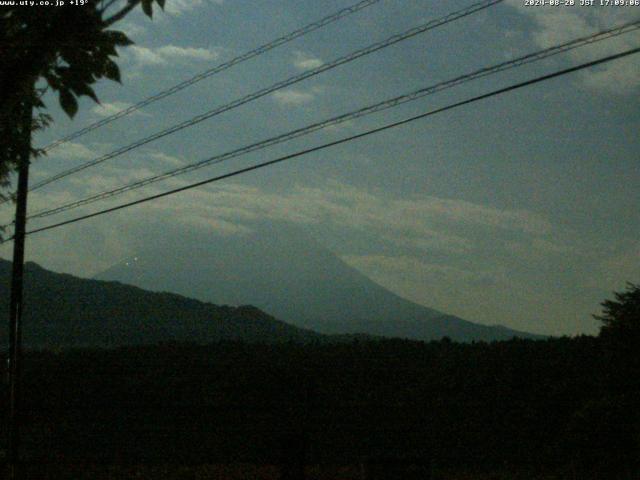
518, 210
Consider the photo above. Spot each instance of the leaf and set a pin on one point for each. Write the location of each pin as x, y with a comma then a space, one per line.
88, 91
112, 71
68, 103
161, 3
105, 47
147, 7
118, 38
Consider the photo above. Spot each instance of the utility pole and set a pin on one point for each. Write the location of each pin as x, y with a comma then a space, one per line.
16, 306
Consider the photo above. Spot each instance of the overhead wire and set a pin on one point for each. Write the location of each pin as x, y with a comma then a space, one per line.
377, 107
412, 32
307, 151
217, 69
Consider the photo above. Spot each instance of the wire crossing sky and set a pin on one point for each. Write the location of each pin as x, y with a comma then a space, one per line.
377, 107
334, 17
412, 32
344, 140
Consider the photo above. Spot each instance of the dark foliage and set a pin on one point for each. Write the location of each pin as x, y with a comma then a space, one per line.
621, 317
68, 49
523, 405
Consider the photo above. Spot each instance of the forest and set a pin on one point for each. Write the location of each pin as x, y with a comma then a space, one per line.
554, 408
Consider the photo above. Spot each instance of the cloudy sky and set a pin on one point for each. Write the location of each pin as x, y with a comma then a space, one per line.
519, 210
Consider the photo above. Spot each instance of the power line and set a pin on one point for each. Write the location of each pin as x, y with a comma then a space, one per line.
277, 86
344, 140
380, 106
217, 69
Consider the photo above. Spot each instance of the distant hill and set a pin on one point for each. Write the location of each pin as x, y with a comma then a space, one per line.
66, 311
287, 274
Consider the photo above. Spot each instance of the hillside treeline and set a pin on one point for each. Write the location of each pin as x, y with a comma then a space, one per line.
567, 406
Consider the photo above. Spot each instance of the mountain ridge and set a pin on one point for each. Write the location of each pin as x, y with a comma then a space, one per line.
287, 274
62, 310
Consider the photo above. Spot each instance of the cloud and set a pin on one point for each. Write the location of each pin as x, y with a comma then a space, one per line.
109, 176
168, 54
432, 240
293, 97
106, 109
113, 176
418, 224
59, 159
167, 160
145, 56
411, 267
615, 269
421, 223
303, 61
132, 29
552, 26
72, 151
541, 249
622, 79
179, 7
463, 212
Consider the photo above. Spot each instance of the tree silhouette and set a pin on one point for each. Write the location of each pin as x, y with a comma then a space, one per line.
620, 333
70, 48
621, 317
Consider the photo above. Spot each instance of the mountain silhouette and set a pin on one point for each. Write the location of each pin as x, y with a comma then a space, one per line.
66, 311
284, 272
